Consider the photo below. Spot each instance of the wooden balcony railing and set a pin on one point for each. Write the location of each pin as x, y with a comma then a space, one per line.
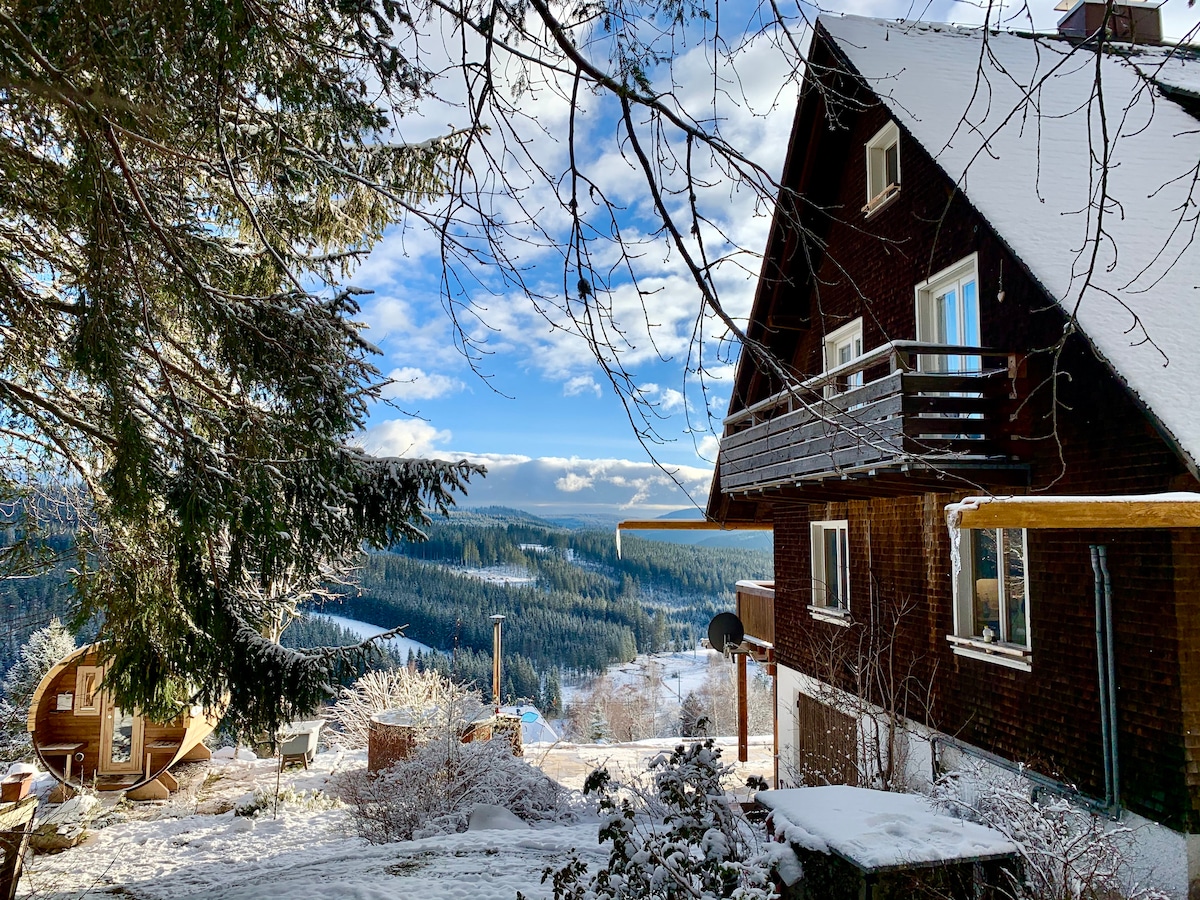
903, 402
756, 609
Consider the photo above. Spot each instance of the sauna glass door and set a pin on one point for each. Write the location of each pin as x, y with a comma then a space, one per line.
120, 741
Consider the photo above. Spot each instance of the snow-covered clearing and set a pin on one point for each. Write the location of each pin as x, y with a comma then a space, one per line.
505, 575
675, 674
194, 846
400, 644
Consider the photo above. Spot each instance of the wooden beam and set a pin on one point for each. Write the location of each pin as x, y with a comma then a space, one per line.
1180, 510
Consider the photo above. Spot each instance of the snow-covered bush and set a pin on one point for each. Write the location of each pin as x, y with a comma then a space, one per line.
683, 838
435, 789
269, 801
1068, 853
45, 648
431, 699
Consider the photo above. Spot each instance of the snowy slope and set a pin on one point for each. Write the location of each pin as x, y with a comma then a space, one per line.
194, 846
400, 644
1023, 141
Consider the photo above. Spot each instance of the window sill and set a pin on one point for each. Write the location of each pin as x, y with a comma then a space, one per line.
1009, 655
831, 614
880, 200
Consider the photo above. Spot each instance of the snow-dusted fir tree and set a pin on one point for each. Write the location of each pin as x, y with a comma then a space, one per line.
45, 648
187, 185
680, 839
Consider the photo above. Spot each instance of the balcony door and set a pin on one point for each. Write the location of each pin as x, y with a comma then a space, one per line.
948, 313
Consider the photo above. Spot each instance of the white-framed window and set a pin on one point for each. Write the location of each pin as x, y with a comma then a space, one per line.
948, 313
991, 595
883, 167
831, 566
842, 346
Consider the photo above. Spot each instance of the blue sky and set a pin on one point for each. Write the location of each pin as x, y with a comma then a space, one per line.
545, 420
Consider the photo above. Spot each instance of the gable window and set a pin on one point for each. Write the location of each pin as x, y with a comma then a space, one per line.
991, 614
883, 167
948, 313
830, 568
843, 346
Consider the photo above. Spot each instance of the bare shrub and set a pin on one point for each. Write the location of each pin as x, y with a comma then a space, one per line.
1069, 853
432, 701
434, 791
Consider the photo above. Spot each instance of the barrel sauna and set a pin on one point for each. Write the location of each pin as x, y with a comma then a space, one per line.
82, 737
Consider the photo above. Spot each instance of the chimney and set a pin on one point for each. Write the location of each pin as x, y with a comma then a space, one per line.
1129, 22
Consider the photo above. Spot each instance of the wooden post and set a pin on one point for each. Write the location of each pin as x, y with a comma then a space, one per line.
16, 823
743, 723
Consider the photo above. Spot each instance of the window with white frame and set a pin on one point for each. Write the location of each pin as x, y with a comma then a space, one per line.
831, 565
948, 313
992, 592
841, 347
883, 167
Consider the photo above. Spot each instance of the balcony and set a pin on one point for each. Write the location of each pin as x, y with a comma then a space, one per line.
904, 408
756, 609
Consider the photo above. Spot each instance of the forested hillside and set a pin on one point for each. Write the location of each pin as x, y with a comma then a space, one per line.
570, 603
581, 609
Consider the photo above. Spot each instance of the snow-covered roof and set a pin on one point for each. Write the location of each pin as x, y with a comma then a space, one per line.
1013, 120
879, 830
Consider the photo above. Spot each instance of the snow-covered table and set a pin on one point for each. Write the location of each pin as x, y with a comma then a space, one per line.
879, 832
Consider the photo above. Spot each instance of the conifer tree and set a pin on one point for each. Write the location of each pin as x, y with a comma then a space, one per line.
185, 184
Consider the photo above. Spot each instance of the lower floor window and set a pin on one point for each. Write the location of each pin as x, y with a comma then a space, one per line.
831, 564
993, 595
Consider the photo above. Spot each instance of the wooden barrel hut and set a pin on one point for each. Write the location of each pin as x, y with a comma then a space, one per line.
82, 737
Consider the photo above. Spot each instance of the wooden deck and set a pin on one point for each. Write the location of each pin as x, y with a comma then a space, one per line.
880, 411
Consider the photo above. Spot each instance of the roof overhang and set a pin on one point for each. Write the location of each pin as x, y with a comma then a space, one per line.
1172, 510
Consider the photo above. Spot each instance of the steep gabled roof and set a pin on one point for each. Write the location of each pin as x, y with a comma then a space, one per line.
1018, 123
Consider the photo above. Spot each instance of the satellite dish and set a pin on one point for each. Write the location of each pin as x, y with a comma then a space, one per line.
725, 630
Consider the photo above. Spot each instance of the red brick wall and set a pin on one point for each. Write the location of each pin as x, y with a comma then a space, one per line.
1102, 443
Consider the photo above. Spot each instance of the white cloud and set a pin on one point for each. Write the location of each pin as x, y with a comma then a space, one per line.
672, 401
707, 448
577, 385
411, 383
558, 486
403, 437
572, 482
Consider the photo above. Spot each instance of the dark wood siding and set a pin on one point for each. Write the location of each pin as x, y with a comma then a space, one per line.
1097, 439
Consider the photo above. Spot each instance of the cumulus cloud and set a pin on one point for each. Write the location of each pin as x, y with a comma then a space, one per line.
411, 383
579, 384
707, 447
403, 437
573, 481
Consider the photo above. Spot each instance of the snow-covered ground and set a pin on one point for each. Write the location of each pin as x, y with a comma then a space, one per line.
400, 644
506, 575
194, 846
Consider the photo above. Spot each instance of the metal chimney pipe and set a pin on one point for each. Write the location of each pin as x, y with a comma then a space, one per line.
497, 666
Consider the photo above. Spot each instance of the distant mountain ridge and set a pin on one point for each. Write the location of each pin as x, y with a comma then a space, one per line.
504, 516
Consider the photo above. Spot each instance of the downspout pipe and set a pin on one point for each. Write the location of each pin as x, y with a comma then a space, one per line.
1113, 755
1106, 671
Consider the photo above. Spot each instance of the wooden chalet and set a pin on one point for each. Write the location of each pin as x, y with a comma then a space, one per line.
936, 318
83, 739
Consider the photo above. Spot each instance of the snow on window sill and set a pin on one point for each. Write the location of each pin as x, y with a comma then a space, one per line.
880, 200
834, 615
1012, 656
